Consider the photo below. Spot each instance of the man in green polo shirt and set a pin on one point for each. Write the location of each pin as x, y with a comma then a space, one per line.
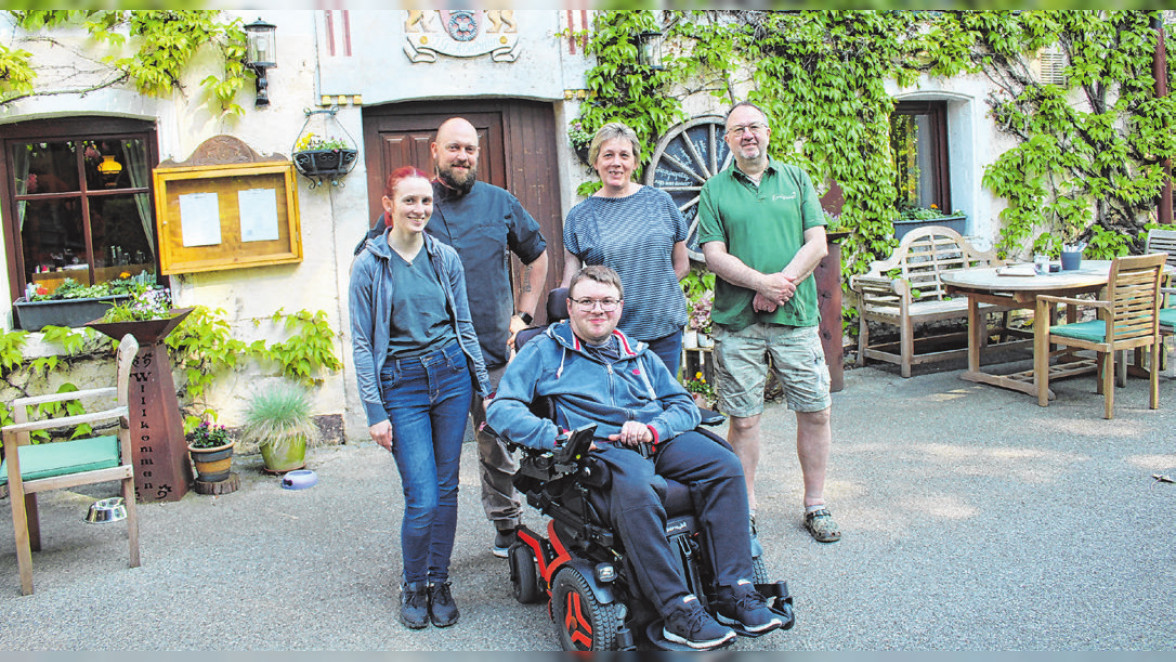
762, 231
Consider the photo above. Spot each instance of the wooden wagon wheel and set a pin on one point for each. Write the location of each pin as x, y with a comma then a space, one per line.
687, 156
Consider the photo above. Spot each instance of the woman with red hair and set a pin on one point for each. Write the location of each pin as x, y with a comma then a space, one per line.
417, 364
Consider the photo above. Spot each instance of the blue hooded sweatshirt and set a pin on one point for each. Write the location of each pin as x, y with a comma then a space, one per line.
637, 387
371, 317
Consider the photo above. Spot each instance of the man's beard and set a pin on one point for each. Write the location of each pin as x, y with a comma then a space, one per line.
463, 187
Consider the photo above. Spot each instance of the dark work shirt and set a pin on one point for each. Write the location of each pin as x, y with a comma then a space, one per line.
420, 319
484, 226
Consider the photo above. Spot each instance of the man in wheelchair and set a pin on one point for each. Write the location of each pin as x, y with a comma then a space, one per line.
645, 422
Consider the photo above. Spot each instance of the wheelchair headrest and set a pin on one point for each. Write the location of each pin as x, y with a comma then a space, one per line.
557, 310
557, 304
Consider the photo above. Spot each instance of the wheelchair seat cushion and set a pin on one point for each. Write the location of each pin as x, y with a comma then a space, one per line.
64, 457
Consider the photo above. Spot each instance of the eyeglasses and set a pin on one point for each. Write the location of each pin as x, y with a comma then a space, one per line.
756, 127
607, 305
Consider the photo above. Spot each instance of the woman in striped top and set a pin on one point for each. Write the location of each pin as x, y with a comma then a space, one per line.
639, 232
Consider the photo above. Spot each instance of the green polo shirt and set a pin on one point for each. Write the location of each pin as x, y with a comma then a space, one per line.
764, 227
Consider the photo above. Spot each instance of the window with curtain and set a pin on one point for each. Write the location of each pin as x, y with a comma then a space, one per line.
78, 201
918, 144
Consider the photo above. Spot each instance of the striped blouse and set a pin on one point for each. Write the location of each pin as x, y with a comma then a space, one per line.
635, 235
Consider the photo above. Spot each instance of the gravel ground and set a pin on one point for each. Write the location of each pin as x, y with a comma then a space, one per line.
972, 518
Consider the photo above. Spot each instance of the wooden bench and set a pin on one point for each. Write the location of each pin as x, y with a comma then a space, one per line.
905, 289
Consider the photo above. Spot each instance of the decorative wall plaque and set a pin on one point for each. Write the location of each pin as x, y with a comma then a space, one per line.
461, 33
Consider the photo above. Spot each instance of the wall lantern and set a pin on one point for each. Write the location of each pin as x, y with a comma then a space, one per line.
262, 54
649, 50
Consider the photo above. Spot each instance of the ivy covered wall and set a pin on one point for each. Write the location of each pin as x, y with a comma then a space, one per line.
1084, 157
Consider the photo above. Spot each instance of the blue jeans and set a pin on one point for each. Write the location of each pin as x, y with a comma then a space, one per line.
427, 399
669, 350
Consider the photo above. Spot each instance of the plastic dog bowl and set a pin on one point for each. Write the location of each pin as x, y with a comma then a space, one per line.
299, 479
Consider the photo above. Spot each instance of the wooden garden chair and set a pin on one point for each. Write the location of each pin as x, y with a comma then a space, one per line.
1164, 241
1128, 319
30, 469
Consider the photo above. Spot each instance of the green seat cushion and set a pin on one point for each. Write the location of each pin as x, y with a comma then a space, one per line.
1168, 317
65, 457
1093, 331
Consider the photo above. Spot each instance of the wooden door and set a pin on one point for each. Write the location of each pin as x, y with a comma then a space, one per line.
518, 154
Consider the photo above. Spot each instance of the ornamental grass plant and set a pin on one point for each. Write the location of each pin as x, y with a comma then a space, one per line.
279, 417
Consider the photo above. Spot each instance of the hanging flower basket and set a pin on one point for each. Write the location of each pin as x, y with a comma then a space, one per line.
325, 164
327, 157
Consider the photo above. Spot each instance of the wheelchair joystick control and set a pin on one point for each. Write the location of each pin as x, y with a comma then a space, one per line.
576, 446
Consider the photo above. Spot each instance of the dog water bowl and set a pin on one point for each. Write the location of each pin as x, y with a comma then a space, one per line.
299, 479
107, 510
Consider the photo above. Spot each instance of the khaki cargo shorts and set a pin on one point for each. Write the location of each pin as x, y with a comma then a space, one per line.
742, 360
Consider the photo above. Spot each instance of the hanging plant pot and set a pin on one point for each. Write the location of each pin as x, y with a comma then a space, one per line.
322, 165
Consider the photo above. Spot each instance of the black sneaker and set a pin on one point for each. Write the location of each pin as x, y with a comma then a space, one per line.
502, 542
689, 624
742, 606
414, 605
442, 609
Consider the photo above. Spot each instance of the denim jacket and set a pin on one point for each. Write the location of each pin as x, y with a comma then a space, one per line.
636, 387
371, 317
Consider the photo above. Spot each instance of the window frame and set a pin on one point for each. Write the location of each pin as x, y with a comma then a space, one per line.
936, 112
57, 130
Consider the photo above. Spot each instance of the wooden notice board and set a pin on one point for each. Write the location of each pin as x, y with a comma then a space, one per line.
217, 216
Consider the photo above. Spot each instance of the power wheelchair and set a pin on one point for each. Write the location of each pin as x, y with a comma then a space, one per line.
578, 563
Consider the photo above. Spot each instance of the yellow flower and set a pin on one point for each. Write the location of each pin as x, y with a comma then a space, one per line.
125, 274
698, 375
934, 206
304, 142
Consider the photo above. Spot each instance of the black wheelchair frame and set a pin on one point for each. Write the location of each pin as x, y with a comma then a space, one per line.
579, 567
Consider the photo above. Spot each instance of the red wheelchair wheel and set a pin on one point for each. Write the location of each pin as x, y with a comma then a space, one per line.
582, 622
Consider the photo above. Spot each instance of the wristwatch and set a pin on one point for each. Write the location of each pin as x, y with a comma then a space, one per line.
526, 317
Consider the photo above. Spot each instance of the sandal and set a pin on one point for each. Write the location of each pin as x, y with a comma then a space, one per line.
821, 525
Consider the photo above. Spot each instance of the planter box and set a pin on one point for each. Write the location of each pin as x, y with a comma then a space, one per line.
35, 315
325, 163
954, 222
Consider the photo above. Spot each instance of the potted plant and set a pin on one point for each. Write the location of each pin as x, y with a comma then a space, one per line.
911, 218
212, 452
279, 421
699, 287
72, 303
700, 319
323, 158
702, 391
581, 140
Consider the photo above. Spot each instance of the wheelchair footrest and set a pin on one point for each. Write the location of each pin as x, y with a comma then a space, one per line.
655, 633
779, 601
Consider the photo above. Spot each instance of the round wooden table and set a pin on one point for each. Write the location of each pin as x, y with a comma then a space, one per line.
995, 285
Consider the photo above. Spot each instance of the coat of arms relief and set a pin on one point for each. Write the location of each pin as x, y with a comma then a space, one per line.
461, 33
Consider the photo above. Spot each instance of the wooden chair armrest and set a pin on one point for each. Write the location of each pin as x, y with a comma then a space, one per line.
109, 391
1093, 303
859, 281
66, 421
